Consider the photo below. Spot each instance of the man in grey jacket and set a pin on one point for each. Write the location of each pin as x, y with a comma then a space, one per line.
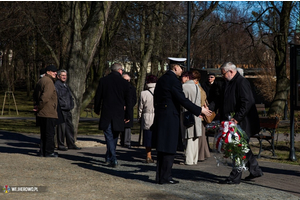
66, 104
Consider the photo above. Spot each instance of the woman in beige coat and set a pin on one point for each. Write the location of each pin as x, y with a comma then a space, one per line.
146, 114
203, 146
190, 135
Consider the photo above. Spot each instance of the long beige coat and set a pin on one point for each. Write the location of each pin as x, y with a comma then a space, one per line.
189, 89
146, 107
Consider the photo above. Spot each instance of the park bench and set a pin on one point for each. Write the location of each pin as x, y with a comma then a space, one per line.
267, 132
261, 109
89, 108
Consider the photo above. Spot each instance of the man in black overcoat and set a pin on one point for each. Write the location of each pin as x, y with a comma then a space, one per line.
168, 96
238, 99
112, 96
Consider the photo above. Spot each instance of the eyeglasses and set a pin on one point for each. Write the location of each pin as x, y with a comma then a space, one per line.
225, 73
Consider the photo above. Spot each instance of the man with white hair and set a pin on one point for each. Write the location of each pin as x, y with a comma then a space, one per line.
239, 101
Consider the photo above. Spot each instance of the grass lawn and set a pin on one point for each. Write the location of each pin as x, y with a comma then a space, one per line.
25, 105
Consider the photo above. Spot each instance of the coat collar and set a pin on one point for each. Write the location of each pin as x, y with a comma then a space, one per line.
235, 77
48, 76
116, 73
190, 82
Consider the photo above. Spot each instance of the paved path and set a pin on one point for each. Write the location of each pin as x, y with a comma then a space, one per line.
83, 175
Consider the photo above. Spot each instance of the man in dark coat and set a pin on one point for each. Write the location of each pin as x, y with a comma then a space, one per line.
168, 96
238, 99
112, 96
207, 85
126, 134
65, 130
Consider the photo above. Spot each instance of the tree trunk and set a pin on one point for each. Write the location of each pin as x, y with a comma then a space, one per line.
79, 45
100, 62
146, 50
280, 45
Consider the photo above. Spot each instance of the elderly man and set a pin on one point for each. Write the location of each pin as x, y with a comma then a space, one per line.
111, 96
237, 98
168, 96
66, 104
46, 99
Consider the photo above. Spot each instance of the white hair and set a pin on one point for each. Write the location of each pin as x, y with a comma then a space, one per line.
241, 71
60, 71
228, 66
116, 66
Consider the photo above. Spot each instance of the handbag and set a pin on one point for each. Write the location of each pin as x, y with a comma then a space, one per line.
209, 119
188, 117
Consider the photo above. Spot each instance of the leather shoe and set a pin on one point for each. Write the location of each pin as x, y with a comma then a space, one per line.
227, 181
169, 182
62, 149
75, 148
250, 177
52, 155
114, 164
127, 146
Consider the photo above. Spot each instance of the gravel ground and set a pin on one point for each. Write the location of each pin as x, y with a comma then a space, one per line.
83, 175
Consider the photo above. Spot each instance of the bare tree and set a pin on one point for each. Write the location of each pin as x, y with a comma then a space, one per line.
273, 21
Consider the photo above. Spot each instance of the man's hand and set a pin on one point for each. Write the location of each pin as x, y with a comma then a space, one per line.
232, 119
126, 121
206, 111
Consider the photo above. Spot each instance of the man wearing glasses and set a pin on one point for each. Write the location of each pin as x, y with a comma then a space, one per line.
208, 85
237, 99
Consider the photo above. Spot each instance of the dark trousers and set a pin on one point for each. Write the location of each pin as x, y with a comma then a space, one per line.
164, 167
126, 137
47, 129
111, 138
66, 130
253, 167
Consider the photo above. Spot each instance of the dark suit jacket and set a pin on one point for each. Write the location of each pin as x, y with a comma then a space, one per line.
132, 90
238, 98
111, 96
168, 97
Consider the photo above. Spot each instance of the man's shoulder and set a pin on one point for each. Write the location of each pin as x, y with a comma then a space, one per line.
45, 80
58, 83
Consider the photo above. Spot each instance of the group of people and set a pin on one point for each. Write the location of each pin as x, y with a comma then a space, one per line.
160, 109
53, 103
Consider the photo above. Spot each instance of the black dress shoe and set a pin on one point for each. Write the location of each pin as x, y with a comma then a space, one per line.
114, 164
127, 146
251, 177
226, 181
169, 182
75, 148
52, 155
62, 149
